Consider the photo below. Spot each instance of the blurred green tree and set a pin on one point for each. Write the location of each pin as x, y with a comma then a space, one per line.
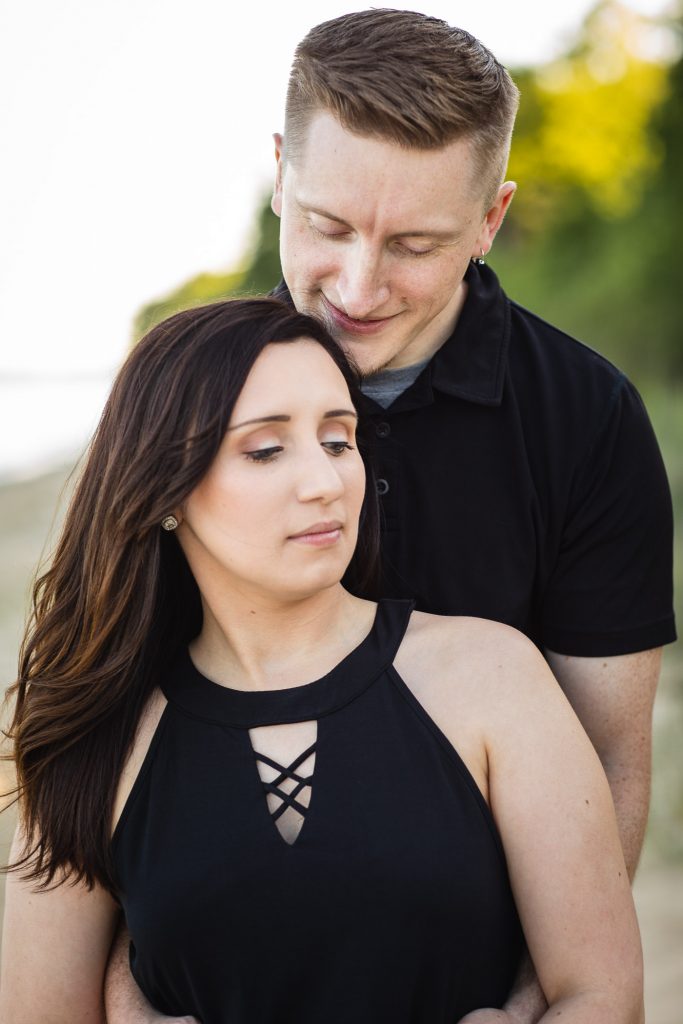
258, 275
584, 135
592, 245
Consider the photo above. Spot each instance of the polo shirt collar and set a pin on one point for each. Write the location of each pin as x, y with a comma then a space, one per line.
471, 363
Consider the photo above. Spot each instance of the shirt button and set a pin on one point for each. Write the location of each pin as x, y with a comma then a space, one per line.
382, 486
383, 430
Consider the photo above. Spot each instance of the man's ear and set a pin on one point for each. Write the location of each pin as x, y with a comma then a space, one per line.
276, 201
494, 218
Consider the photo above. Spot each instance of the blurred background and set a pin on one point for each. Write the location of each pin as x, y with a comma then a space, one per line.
137, 159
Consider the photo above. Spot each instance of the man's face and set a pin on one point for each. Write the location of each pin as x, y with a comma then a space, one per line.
375, 239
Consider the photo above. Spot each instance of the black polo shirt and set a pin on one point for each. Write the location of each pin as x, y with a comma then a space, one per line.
520, 480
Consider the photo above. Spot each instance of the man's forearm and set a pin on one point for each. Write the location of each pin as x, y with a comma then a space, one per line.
526, 1003
631, 796
613, 698
123, 1000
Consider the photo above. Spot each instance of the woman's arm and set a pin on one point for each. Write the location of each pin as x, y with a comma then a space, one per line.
54, 950
553, 808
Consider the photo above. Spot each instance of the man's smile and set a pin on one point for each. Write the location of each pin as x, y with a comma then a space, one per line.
352, 325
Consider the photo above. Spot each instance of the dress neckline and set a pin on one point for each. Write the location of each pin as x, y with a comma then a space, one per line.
191, 691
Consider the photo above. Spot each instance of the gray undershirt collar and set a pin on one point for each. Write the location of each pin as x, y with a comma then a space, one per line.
385, 386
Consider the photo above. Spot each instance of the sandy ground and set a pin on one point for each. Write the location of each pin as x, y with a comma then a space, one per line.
27, 512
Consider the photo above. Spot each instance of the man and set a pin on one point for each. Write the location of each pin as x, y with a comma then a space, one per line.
517, 470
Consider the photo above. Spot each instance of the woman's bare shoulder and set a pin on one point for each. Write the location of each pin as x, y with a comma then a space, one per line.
473, 669
454, 666
455, 642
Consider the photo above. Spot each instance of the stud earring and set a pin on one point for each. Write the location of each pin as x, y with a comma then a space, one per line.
479, 260
169, 523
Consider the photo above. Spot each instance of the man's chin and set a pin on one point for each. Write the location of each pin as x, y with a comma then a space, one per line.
361, 353
359, 350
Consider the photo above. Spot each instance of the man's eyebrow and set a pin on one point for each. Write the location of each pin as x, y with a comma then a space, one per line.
451, 236
418, 233
303, 205
283, 418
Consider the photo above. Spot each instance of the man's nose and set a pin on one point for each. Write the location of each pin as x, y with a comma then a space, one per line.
319, 479
363, 286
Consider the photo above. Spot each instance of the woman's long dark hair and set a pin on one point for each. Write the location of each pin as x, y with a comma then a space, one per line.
118, 599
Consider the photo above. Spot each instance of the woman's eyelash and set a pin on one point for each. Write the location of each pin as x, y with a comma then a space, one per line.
263, 454
338, 447
269, 454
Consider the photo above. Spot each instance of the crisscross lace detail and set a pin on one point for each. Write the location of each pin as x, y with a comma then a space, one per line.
288, 799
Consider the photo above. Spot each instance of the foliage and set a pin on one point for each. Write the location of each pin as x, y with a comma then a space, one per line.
595, 250
583, 137
261, 272
198, 290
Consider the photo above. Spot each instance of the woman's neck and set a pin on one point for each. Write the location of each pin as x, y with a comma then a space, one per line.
267, 645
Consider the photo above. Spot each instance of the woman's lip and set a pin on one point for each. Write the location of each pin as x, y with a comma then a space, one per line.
319, 534
347, 323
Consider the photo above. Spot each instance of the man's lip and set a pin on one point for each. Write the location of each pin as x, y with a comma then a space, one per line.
348, 323
318, 528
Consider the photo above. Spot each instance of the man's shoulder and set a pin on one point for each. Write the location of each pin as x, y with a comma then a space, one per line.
535, 340
558, 379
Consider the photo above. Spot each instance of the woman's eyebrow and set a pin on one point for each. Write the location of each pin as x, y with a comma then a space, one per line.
283, 418
333, 413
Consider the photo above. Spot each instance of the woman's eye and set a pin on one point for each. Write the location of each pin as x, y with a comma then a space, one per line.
337, 447
263, 454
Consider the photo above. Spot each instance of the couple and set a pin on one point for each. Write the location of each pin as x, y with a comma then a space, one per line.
312, 806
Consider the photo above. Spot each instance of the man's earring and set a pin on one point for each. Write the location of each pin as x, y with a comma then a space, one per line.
479, 260
169, 523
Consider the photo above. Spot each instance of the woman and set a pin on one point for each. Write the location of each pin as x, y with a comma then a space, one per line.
311, 807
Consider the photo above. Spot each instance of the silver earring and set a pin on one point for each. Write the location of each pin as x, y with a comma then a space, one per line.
479, 260
169, 523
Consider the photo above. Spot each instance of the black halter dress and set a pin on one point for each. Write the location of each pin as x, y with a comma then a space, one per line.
393, 903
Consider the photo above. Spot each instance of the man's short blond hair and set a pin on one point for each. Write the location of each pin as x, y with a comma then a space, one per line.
405, 78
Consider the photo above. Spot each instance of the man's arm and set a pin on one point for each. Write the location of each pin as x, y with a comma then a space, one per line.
123, 1000
613, 699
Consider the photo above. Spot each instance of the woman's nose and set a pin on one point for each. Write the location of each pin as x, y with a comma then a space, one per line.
319, 479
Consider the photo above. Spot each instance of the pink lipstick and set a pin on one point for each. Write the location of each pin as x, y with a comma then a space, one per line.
319, 535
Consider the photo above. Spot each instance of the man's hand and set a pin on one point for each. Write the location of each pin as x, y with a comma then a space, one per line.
487, 1016
124, 1002
526, 1003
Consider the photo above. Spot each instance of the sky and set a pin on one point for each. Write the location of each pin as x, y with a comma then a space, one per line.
136, 139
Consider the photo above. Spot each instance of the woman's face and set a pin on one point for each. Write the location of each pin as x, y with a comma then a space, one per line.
277, 513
